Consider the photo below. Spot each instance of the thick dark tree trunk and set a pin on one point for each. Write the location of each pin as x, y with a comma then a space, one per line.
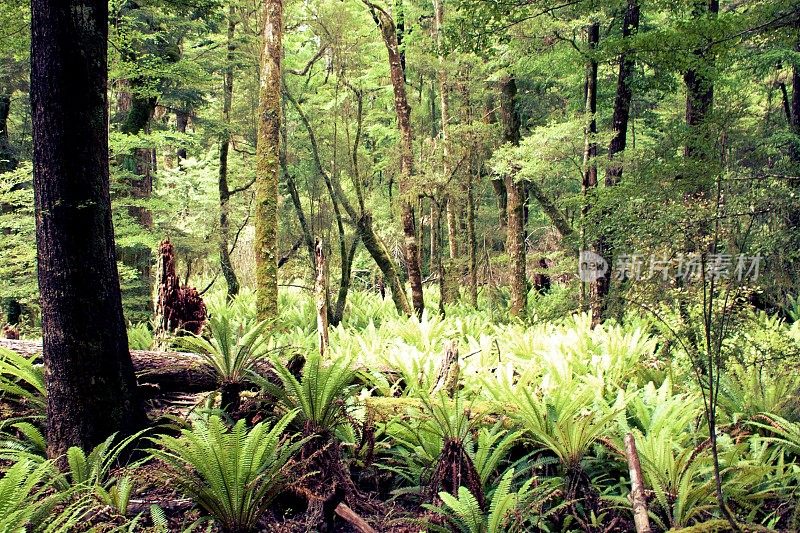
515, 237
622, 106
226, 265
91, 387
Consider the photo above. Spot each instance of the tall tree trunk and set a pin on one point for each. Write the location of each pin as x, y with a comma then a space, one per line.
268, 161
450, 271
498, 185
699, 150
403, 112
622, 107
91, 387
362, 218
515, 237
226, 265
444, 99
336, 311
472, 244
699, 91
590, 153
623, 97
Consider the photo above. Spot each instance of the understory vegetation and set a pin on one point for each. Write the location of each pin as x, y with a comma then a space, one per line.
524, 434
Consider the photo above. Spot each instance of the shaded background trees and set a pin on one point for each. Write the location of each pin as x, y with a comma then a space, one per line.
487, 207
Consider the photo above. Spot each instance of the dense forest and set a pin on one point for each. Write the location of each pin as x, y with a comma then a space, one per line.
364, 265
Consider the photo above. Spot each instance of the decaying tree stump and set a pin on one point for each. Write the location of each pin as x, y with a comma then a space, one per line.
177, 308
449, 369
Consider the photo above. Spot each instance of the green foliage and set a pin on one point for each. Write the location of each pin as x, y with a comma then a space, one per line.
19, 491
232, 350
22, 383
18, 245
28, 503
93, 474
509, 511
231, 473
565, 422
320, 396
140, 337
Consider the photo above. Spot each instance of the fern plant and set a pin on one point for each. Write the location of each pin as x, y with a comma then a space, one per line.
566, 422
744, 392
93, 474
29, 503
140, 337
20, 490
509, 511
232, 474
22, 383
319, 396
231, 352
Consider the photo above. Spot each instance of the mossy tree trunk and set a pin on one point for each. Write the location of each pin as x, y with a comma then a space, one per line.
91, 387
268, 161
515, 198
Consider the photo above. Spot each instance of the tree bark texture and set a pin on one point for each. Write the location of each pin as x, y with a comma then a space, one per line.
619, 124
597, 288
515, 237
472, 242
268, 161
403, 112
226, 265
321, 297
177, 308
638, 498
91, 386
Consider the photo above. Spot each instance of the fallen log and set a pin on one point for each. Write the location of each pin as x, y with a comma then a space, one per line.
166, 371
346, 513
